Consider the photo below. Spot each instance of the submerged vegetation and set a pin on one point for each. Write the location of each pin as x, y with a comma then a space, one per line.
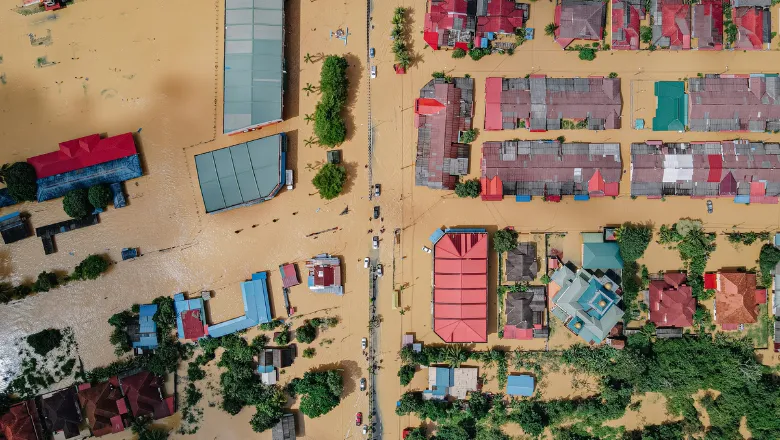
694, 246
89, 269
399, 37
329, 124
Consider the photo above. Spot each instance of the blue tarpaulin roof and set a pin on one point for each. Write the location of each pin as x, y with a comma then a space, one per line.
520, 385
522, 198
147, 327
582, 197
436, 236
109, 172
257, 308
742, 199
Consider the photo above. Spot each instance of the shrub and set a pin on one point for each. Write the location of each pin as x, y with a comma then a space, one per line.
283, 337
45, 282
76, 203
504, 240
90, 268
468, 136
330, 180
477, 54
438, 75
767, 260
587, 54
45, 340
276, 323
21, 180
100, 196
458, 53
329, 126
470, 188
406, 374
550, 29
633, 240
309, 353
306, 333
194, 372
646, 34
613, 74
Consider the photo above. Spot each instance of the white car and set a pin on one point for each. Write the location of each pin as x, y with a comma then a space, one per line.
375, 242
365, 429
363, 384
426, 249
366, 262
377, 190
379, 270
364, 343
373, 72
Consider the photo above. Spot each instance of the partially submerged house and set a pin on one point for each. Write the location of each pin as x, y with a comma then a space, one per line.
190, 317
104, 407
447, 381
671, 24
443, 111
671, 111
736, 298
144, 333
498, 17
600, 254
735, 103
14, 227
85, 162
626, 16
458, 23
526, 314
285, 429
549, 169
325, 274
270, 360
22, 422
587, 304
47, 232
62, 414
707, 25
257, 308
754, 24
145, 393
289, 275
579, 20
748, 172
521, 263
671, 301
540, 103
460, 285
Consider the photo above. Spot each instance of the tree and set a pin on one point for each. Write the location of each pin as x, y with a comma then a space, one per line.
416, 434
504, 240
587, 54
269, 410
45, 340
646, 34
469, 188
330, 180
406, 373
479, 405
329, 127
613, 74
455, 354
76, 203
90, 268
308, 118
309, 89
45, 282
320, 392
476, 54
282, 337
21, 180
100, 196
550, 29
458, 53
307, 58
306, 333
452, 432
468, 136
767, 260
633, 240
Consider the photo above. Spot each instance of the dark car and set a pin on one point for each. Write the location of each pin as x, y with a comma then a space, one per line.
376, 212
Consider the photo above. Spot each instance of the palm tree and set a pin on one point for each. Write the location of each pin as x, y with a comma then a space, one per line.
307, 58
455, 355
404, 60
395, 33
402, 312
311, 141
399, 46
399, 11
308, 118
550, 29
309, 89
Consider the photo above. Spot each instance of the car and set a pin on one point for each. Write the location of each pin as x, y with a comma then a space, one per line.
363, 384
377, 190
379, 270
366, 262
376, 212
365, 429
709, 206
371, 52
426, 249
358, 418
373, 72
375, 242
364, 343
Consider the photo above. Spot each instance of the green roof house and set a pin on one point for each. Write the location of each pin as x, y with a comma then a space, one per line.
598, 254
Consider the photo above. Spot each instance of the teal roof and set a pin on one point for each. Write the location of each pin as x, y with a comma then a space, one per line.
601, 256
671, 112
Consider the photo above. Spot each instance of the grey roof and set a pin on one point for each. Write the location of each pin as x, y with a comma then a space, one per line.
285, 429
521, 264
254, 63
241, 175
525, 309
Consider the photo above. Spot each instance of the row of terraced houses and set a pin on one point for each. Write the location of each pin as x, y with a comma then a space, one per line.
748, 172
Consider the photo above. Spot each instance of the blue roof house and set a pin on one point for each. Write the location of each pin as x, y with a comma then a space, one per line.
146, 336
520, 385
193, 310
257, 308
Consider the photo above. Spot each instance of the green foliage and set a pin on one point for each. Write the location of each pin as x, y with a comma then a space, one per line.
330, 180
165, 317
100, 196
194, 372
276, 323
767, 260
320, 391
416, 434
504, 240
259, 342
468, 136
406, 373
282, 337
329, 126
479, 405
477, 54
469, 188
45, 282
694, 246
21, 180
269, 410
631, 287
120, 340
633, 240
646, 34
550, 29
545, 279
45, 340
90, 268
747, 238
309, 353
399, 37
191, 395
587, 54
613, 74
438, 75
306, 333
76, 203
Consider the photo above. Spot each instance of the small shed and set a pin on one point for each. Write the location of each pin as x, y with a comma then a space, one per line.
289, 275
522, 385
13, 227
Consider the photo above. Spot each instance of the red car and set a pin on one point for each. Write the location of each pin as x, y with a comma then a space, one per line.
358, 418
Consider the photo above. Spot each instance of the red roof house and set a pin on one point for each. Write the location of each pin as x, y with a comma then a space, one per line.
144, 391
289, 276
499, 16
105, 408
449, 23
492, 189
750, 27
626, 15
443, 110
735, 298
193, 324
579, 20
671, 301
83, 152
22, 422
675, 24
708, 24
460, 287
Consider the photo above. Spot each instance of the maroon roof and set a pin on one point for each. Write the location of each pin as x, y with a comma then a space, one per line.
102, 408
549, 168
144, 392
193, 324
323, 275
708, 24
437, 138
626, 15
734, 103
580, 20
671, 301
22, 422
